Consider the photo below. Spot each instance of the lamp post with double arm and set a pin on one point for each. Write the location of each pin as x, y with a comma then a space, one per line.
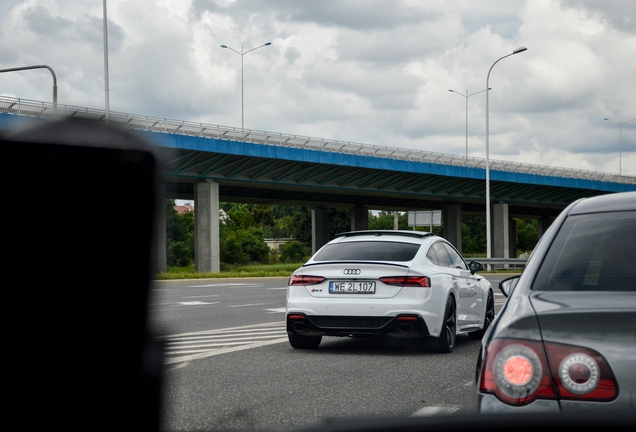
466, 97
242, 54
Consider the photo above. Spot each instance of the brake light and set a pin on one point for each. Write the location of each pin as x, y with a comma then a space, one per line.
519, 371
407, 281
516, 371
304, 280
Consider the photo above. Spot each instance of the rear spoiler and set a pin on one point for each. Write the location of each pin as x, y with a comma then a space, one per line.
378, 233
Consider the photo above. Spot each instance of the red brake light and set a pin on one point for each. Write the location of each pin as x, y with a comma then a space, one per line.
518, 372
407, 281
304, 280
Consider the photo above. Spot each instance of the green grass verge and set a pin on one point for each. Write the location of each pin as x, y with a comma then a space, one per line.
256, 270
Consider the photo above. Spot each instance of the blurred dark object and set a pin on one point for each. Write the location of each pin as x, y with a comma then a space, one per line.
620, 421
79, 242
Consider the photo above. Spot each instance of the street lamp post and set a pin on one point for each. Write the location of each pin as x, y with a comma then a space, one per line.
488, 239
39, 67
106, 86
242, 53
466, 97
620, 142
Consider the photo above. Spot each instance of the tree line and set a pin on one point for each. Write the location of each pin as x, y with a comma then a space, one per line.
244, 228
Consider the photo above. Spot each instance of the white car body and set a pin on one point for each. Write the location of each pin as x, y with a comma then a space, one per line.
421, 309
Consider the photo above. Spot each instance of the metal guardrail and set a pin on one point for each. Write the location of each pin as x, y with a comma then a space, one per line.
32, 108
501, 263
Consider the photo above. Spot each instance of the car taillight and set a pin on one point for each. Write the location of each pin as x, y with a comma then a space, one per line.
519, 371
516, 371
582, 373
304, 280
407, 281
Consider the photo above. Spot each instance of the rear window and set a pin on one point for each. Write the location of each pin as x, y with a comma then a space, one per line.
592, 252
368, 251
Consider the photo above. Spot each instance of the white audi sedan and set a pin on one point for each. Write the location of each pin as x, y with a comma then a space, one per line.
404, 284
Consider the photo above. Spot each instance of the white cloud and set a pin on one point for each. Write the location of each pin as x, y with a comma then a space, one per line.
364, 71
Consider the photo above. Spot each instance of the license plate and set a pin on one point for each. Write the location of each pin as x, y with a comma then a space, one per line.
352, 287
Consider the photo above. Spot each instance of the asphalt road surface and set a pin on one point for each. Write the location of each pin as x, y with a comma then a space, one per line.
229, 365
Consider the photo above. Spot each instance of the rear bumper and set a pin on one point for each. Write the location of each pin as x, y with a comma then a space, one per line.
401, 326
425, 303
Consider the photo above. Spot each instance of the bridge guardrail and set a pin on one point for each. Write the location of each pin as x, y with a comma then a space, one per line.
41, 109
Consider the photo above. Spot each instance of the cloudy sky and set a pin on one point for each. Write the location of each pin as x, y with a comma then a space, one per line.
375, 72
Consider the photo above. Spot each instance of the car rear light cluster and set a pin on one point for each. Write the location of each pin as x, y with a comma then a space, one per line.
519, 371
407, 281
304, 280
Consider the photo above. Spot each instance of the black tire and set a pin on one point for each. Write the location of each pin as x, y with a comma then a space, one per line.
490, 317
446, 340
304, 342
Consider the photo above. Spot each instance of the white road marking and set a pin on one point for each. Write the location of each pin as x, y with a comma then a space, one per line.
216, 343
283, 288
277, 310
246, 305
196, 303
223, 351
191, 346
435, 410
192, 339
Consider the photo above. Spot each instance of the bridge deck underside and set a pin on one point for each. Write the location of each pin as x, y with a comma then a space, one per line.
270, 180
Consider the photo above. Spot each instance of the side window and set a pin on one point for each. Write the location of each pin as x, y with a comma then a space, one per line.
443, 258
457, 260
432, 256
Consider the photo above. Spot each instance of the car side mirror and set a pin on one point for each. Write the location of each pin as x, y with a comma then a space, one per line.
476, 267
507, 286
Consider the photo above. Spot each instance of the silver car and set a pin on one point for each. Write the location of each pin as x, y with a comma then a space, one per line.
566, 338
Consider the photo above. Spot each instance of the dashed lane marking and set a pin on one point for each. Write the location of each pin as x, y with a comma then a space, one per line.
435, 410
246, 305
196, 303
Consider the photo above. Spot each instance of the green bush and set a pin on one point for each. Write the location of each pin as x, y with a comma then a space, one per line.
243, 246
294, 252
179, 254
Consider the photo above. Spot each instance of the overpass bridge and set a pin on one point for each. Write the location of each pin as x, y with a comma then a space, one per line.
212, 163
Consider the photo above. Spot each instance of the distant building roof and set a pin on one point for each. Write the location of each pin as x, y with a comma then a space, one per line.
187, 207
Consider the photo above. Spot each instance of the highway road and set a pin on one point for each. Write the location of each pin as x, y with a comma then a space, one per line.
229, 365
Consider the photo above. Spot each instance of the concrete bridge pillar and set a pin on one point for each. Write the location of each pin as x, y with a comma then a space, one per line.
319, 228
501, 231
452, 224
160, 246
207, 256
359, 218
512, 236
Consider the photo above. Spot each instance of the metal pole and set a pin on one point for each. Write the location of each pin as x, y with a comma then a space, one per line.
242, 53
106, 90
620, 141
466, 97
242, 92
488, 233
39, 67
466, 124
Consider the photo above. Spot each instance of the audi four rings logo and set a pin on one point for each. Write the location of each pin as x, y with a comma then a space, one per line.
351, 271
